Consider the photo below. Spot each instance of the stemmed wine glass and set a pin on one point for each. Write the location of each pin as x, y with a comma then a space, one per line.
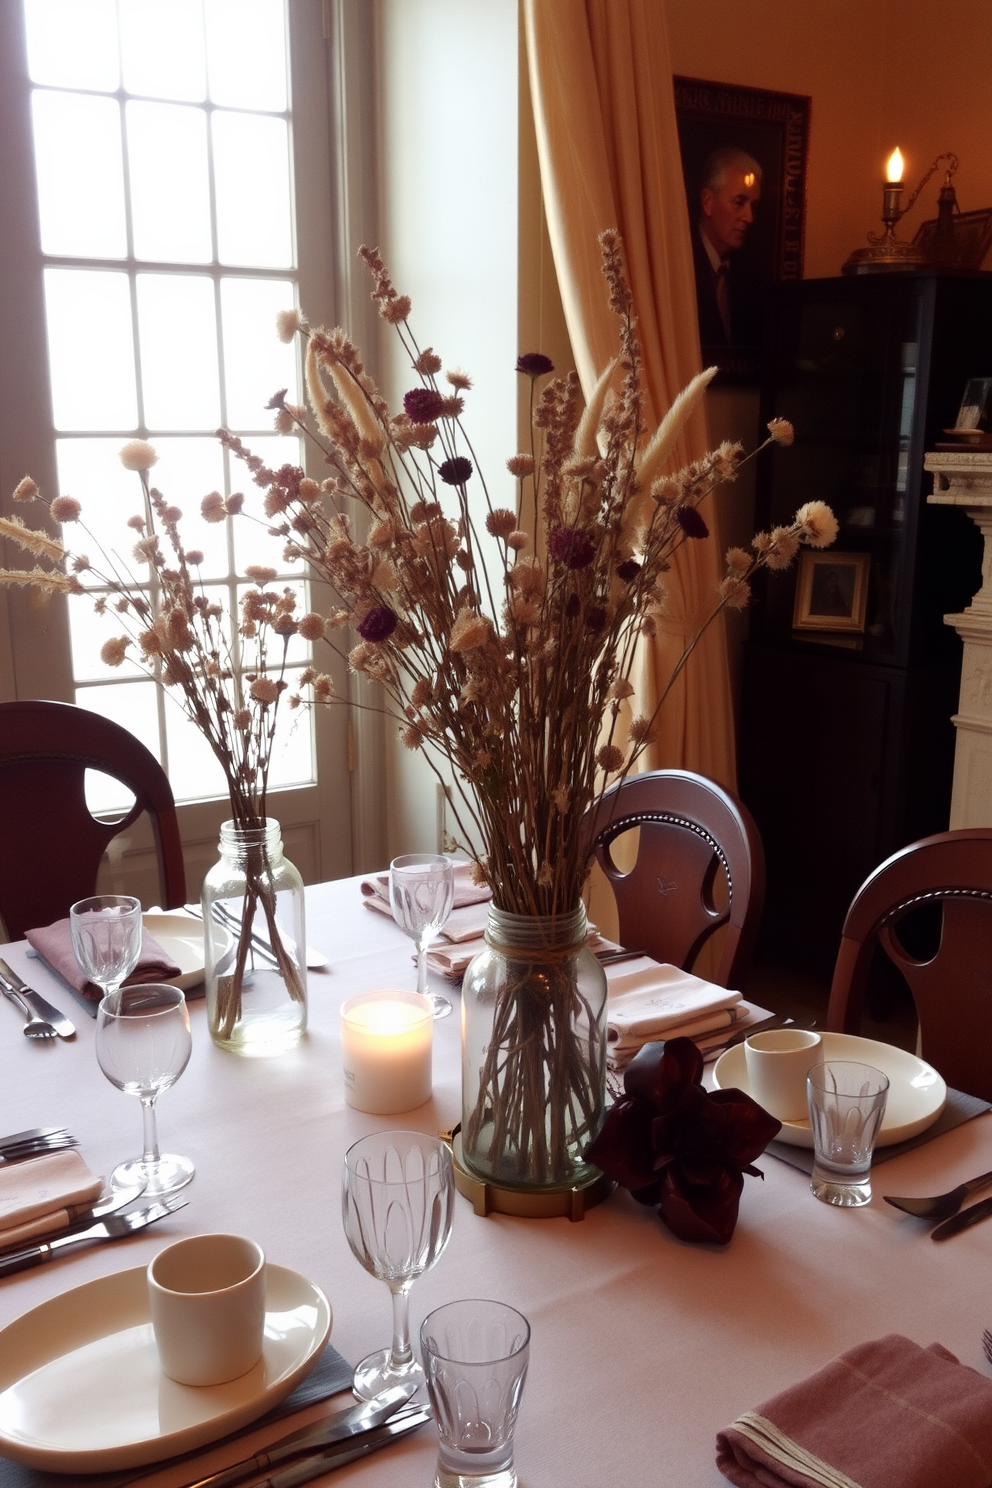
397, 1202
106, 937
421, 892
143, 1045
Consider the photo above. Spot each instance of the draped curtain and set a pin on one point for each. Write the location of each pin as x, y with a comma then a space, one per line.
604, 113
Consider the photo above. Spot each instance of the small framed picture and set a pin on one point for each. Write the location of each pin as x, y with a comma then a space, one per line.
831, 591
974, 410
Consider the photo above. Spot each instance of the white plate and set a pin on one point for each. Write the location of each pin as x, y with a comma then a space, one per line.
81, 1390
916, 1092
181, 937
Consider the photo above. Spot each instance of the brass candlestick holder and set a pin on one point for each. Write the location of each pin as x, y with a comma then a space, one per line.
887, 253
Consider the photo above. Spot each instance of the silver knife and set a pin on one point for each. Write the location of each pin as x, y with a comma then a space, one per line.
974, 1214
346, 1451
79, 1216
114, 1227
339, 1427
37, 1003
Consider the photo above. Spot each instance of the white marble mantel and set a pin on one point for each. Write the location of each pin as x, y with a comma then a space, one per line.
964, 478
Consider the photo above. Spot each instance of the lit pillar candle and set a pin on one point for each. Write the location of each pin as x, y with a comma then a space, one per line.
893, 187
386, 1045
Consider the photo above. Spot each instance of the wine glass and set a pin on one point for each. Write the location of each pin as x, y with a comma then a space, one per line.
143, 1045
397, 1202
106, 937
421, 892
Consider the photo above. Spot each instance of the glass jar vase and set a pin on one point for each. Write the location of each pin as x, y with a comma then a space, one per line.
254, 943
533, 1053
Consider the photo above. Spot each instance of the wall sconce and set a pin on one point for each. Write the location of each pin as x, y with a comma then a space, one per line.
886, 252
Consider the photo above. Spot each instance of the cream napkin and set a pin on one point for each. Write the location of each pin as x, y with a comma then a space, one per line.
40, 1195
452, 960
649, 999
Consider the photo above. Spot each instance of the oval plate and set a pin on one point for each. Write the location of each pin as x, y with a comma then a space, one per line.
916, 1092
81, 1390
181, 937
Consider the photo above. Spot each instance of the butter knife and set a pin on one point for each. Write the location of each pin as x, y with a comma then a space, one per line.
75, 1218
974, 1214
38, 1004
346, 1451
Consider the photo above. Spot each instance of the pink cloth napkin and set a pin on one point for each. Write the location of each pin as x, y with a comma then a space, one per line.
44, 1194
887, 1414
54, 943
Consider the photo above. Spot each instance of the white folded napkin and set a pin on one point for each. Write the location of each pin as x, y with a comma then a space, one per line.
44, 1194
648, 998
470, 912
452, 960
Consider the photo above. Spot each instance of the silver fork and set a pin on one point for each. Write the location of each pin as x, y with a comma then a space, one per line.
35, 1027
13, 1152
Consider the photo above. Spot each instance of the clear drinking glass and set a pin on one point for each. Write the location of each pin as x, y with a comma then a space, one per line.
475, 1355
143, 1045
846, 1107
422, 892
397, 1203
106, 937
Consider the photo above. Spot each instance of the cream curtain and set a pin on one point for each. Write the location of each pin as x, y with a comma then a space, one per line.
609, 156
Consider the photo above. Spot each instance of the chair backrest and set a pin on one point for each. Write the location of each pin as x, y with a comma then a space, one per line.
699, 865
51, 844
951, 981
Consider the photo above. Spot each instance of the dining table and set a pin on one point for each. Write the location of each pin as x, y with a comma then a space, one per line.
643, 1347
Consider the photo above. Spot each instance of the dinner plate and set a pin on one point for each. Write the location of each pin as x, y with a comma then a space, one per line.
181, 937
916, 1092
81, 1390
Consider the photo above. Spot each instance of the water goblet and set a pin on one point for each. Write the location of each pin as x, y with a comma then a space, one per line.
106, 937
397, 1201
143, 1045
422, 892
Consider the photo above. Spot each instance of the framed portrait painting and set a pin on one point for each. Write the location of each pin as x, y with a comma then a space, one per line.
831, 591
744, 155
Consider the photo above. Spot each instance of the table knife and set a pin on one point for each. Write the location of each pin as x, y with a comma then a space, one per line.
343, 1425
974, 1214
77, 1217
114, 1227
37, 1003
346, 1451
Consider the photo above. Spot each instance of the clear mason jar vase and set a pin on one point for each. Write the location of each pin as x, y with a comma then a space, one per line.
533, 1052
254, 943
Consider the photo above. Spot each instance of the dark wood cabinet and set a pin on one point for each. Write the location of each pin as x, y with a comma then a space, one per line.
846, 746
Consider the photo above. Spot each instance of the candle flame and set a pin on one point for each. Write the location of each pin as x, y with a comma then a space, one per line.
894, 166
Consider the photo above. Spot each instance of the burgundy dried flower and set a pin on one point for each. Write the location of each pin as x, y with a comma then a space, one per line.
628, 570
595, 619
378, 624
572, 546
456, 471
673, 1144
534, 364
691, 522
423, 405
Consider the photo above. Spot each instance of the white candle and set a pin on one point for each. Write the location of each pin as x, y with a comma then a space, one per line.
386, 1043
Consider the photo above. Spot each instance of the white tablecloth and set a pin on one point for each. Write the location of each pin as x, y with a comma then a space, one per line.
643, 1347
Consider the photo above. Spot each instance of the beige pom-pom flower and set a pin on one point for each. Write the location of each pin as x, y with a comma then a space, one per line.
264, 690
323, 688
242, 719
784, 547
609, 758
735, 592
470, 630
288, 322
212, 507
260, 573
501, 522
412, 737
818, 523
311, 626
25, 490
459, 380
738, 561
781, 431
428, 362
520, 465
194, 557
66, 509
113, 652
138, 454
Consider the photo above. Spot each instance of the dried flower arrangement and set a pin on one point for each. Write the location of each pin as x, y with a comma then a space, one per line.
509, 668
229, 686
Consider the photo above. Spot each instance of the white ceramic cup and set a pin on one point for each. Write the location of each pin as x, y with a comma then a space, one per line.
778, 1062
207, 1299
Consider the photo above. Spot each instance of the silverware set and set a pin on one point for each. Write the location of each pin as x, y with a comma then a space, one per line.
44, 1021
947, 1207
34, 1143
113, 1227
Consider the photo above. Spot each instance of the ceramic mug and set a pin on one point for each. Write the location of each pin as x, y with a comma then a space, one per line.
778, 1062
207, 1300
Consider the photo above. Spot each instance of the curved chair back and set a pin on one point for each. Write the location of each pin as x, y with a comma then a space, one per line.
700, 865
951, 985
52, 844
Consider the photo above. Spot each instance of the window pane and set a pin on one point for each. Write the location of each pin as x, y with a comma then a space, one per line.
256, 363
298, 653
170, 189
187, 470
135, 707
178, 338
89, 631
251, 177
252, 543
292, 751
72, 43
89, 470
246, 53
77, 142
90, 349
162, 50
194, 771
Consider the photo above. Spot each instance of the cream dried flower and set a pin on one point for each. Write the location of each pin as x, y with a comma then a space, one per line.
212, 507
311, 626
781, 431
520, 465
738, 561
264, 690
113, 652
138, 454
459, 380
784, 547
609, 758
470, 630
288, 322
818, 523
735, 592
25, 490
501, 522
261, 574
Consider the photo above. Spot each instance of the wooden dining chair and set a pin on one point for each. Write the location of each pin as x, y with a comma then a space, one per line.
700, 866
946, 963
51, 843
